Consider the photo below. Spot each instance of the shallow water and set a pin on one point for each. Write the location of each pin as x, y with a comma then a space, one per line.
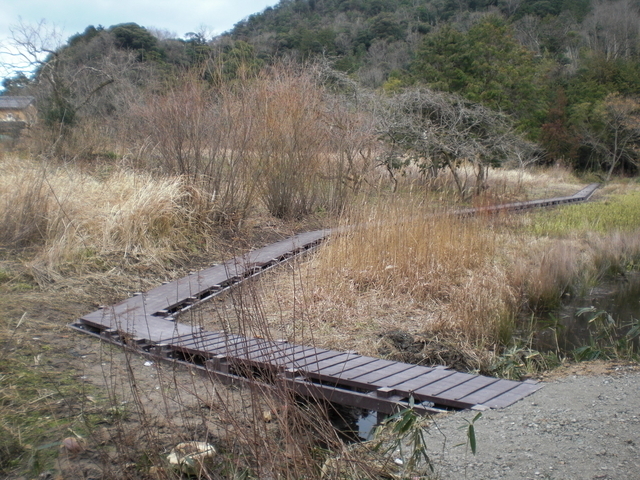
353, 424
564, 330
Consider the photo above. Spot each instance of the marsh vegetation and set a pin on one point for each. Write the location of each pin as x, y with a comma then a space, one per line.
161, 171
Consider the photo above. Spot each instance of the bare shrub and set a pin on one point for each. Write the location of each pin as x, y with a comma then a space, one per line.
352, 139
289, 142
203, 136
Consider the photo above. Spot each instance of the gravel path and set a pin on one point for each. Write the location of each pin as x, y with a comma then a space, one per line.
576, 427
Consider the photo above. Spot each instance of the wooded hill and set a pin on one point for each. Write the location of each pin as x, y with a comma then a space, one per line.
566, 71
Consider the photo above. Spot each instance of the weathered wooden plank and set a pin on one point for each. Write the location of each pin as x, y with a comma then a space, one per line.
481, 397
286, 354
443, 384
240, 347
141, 327
471, 386
341, 369
368, 401
403, 376
326, 360
357, 370
377, 377
259, 348
199, 340
209, 343
327, 357
513, 395
409, 386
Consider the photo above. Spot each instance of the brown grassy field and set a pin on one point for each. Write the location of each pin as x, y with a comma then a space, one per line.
406, 281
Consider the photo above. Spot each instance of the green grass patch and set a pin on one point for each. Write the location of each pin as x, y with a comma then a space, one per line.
618, 212
40, 405
4, 276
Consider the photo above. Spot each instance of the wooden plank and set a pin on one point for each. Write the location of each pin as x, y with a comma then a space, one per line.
409, 386
142, 327
443, 384
327, 360
473, 385
376, 376
357, 370
328, 357
286, 354
278, 357
481, 397
197, 340
367, 401
340, 369
513, 395
212, 342
411, 373
216, 347
257, 349
241, 346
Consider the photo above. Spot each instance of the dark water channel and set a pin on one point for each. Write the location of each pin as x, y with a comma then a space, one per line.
353, 424
564, 330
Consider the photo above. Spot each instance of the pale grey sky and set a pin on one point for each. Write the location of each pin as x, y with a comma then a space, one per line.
176, 16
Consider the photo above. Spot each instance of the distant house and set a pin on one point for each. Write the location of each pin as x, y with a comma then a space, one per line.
16, 113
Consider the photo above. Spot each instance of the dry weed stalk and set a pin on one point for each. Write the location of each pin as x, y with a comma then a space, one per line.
76, 220
406, 250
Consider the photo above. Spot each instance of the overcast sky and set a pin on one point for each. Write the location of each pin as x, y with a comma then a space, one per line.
176, 16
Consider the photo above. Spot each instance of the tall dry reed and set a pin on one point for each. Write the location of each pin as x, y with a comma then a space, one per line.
73, 219
24, 203
399, 265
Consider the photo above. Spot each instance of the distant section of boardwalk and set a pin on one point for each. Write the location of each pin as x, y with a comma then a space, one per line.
582, 196
147, 321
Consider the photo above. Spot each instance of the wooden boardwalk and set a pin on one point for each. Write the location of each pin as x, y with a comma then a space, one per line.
581, 196
148, 321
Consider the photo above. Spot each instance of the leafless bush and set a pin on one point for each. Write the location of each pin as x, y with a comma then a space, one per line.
290, 142
202, 136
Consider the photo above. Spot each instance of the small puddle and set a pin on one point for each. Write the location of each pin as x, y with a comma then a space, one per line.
564, 330
353, 424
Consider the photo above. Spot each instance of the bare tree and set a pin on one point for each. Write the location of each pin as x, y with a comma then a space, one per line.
613, 28
63, 88
436, 131
613, 133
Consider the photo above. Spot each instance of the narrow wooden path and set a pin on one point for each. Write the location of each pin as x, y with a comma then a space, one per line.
148, 322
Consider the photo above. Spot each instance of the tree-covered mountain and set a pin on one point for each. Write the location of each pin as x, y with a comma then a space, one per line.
567, 72
557, 66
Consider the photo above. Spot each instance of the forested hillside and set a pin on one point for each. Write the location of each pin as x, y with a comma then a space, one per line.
566, 72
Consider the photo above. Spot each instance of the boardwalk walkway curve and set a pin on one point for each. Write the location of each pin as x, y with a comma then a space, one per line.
148, 322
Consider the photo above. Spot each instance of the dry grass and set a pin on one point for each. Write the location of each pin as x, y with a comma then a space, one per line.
532, 183
401, 268
74, 220
443, 281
